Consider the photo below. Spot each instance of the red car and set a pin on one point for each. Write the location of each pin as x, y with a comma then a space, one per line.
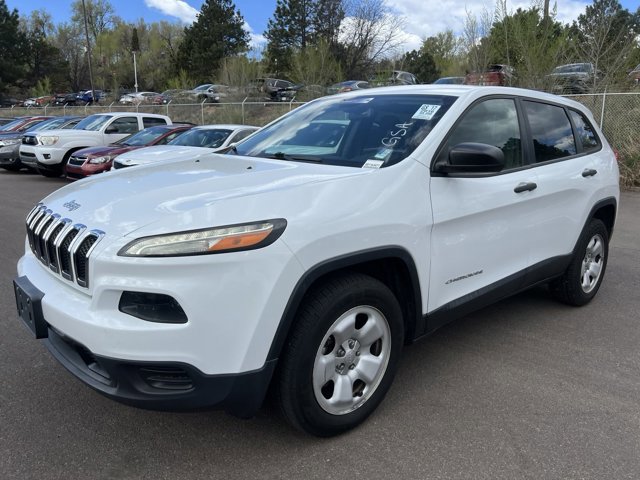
20, 124
496, 75
92, 160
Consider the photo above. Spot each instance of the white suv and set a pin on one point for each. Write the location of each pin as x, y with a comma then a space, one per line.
48, 152
312, 252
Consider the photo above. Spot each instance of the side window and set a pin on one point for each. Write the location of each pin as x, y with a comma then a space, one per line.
586, 135
170, 137
493, 122
551, 131
241, 134
152, 121
124, 125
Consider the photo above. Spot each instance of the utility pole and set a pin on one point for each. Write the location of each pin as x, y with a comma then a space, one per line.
135, 71
86, 33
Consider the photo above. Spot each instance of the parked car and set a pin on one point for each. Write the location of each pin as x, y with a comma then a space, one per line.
8, 102
5, 120
495, 75
347, 86
87, 96
48, 153
29, 102
573, 78
68, 99
393, 77
274, 89
10, 141
198, 280
93, 160
196, 142
136, 98
20, 124
449, 81
175, 95
210, 93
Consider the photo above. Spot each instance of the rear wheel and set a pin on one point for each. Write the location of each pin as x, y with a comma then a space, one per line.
341, 356
582, 279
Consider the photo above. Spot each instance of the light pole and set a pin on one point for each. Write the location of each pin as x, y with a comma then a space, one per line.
86, 32
135, 71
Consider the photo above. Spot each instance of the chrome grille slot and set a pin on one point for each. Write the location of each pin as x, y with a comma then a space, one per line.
77, 161
60, 244
64, 253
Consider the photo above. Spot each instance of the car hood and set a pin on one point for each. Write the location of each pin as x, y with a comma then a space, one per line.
128, 199
108, 150
162, 153
65, 133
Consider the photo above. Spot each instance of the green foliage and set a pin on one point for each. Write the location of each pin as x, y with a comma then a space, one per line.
315, 66
447, 52
182, 81
421, 64
216, 34
13, 47
297, 25
42, 87
135, 42
239, 71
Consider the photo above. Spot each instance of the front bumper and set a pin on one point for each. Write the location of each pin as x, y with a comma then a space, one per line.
9, 155
161, 386
87, 169
41, 156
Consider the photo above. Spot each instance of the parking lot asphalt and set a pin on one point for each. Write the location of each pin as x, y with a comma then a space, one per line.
527, 388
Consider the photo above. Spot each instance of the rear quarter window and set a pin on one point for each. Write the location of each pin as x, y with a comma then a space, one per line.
586, 135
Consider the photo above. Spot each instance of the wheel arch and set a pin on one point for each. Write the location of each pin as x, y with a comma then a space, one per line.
605, 210
394, 266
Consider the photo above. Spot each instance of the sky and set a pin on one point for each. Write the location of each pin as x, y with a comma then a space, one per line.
422, 18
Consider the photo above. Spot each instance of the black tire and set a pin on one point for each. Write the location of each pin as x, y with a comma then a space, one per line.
12, 168
320, 311
577, 286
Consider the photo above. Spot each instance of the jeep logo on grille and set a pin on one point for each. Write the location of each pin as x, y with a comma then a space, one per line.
71, 205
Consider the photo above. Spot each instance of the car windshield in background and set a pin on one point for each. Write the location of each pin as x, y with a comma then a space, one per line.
10, 125
379, 130
92, 122
143, 137
50, 124
209, 138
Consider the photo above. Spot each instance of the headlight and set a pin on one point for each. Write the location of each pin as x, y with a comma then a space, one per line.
50, 140
10, 141
103, 159
230, 238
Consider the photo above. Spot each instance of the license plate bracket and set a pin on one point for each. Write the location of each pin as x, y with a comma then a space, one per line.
29, 305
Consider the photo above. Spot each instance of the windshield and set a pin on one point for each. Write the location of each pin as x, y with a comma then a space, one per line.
92, 122
143, 137
201, 137
9, 126
378, 130
49, 124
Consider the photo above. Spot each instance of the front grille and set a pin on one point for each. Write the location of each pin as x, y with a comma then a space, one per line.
28, 154
77, 161
166, 378
29, 140
61, 245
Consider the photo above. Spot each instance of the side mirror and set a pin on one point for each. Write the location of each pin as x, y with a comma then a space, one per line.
472, 158
111, 129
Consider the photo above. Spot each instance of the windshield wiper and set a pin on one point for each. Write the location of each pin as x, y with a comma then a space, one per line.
295, 158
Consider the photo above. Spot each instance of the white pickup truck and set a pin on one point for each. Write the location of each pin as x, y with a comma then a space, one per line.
49, 152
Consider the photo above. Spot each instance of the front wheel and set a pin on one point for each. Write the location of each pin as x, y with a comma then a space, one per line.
582, 279
341, 356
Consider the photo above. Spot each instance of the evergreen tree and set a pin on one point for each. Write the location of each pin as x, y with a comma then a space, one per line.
216, 34
421, 64
13, 47
291, 28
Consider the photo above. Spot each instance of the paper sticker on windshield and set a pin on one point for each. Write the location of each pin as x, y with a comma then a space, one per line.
383, 154
426, 112
373, 163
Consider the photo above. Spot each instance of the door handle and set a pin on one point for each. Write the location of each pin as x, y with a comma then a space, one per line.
525, 187
589, 172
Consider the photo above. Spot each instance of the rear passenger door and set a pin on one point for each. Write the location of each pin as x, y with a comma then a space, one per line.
567, 168
481, 222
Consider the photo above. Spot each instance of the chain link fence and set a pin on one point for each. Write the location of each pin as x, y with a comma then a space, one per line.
617, 114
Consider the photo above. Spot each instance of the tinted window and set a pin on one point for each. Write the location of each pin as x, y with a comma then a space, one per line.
584, 131
92, 122
202, 137
170, 137
153, 121
143, 137
551, 131
241, 134
124, 125
493, 122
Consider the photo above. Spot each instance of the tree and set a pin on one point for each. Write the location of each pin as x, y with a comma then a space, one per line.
216, 34
43, 59
446, 50
14, 47
369, 34
605, 36
421, 64
290, 29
